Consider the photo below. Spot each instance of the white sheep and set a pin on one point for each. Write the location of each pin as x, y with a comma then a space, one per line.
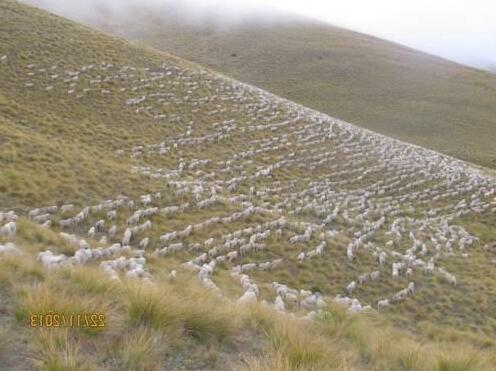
49, 260
351, 286
172, 275
112, 231
9, 248
128, 234
249, 297
209, 243
374, 276
100, 225
232, 255
279, 304
112, 215
382, 304
8, 230
144, 243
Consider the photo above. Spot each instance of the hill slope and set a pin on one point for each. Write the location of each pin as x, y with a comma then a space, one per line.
213, 223
378, 85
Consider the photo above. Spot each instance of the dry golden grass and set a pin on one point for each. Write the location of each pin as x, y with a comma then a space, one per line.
145, 322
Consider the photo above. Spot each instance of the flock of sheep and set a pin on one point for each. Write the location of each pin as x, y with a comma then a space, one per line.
265, 172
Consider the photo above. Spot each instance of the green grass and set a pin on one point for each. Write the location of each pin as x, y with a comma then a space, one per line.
378, 85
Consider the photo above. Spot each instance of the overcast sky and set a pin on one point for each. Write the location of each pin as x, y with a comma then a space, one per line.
461, 30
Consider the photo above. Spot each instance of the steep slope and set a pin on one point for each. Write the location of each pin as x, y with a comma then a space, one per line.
214, 223
378, 85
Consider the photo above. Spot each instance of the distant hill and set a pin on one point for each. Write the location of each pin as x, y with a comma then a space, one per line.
376, 84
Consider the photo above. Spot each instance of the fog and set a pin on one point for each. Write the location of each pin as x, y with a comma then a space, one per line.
460, 30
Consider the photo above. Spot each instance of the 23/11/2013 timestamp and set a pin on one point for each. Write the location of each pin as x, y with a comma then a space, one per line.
67, 320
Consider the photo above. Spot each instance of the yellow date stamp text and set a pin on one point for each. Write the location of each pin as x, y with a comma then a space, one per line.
67, 320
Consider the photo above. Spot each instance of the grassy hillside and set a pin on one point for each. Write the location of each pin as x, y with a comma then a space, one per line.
217, 226
177, 325
378, 85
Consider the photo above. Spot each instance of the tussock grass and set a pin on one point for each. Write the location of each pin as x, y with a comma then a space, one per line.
90, 281
57, 351
16, 269
147, 321
141, 350
191, 310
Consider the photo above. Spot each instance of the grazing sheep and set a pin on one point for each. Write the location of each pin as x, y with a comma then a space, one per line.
168, 236
411, 288
8, 230
144, 243
209, 243
249, 297
351, 286
363, 278
40, 219
279, 304
128, 234
66, 223
382, 304
49, 260
232, 255
82, 256
9, 248
83, 244
382, 258
112, 231
185, 232
100, 225
205, 272
374, 276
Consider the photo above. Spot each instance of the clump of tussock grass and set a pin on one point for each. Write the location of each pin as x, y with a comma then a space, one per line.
17, 268
57, 351
192, 310
88, 281
386, 348
140, 349
294, 344
461, 360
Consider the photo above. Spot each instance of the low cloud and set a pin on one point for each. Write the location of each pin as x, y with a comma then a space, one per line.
460, 30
